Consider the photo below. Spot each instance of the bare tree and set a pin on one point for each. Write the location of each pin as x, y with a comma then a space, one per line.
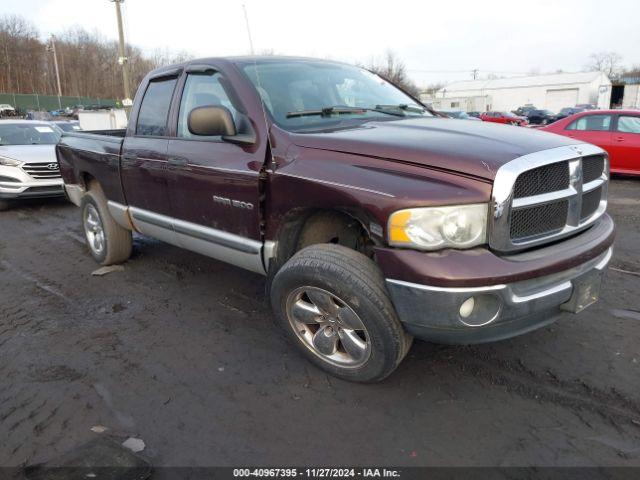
606, 62
87, 60
393, 69
432, 88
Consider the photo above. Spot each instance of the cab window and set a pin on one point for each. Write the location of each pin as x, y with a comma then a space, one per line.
202, 89
152, 119
600, 123
628, 124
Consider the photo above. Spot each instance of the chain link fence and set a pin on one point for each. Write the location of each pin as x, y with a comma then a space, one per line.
24, 102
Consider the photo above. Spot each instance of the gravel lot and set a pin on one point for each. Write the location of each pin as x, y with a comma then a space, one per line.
181, 351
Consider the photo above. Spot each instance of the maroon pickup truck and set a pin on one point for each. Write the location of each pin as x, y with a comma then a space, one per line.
373, 220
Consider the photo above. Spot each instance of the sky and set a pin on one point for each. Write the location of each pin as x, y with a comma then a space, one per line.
439, 41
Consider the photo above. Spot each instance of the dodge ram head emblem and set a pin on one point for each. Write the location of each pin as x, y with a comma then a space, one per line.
52, 166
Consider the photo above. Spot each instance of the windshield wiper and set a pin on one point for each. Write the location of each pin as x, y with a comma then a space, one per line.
401, 106
328, 111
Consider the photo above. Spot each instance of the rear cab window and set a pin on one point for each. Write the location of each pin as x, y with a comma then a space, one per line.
154, 109
598, 123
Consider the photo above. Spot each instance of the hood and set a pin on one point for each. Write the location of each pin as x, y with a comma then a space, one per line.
29, 153
473, 148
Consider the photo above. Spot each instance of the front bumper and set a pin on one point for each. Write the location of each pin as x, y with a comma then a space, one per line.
500, 311
17, 184
513, 294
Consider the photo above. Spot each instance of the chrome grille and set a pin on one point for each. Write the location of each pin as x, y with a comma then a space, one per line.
43, 170
546, 195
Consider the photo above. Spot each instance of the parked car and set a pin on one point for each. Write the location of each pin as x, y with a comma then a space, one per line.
458, 115
373, 220
7, 110
474, 114
38, 115
568, 111
28, 165
540, 117
587, 106
616, 131
503, 117
524, 111
67, 125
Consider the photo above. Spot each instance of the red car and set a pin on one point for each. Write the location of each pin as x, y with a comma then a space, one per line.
616, 131
503, 117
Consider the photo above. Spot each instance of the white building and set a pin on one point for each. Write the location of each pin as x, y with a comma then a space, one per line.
551, 92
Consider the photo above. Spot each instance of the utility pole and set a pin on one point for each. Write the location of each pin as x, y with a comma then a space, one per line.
52, 48
123, 60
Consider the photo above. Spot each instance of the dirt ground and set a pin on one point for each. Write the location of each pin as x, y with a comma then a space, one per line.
181, 351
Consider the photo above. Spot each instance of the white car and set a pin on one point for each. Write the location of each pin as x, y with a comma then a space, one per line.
28, 164
6, 110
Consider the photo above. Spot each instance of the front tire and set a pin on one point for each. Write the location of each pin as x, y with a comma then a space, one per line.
332, 303
4, 205
108, 242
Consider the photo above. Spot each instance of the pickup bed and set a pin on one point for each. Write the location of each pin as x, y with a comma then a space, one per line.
373, 220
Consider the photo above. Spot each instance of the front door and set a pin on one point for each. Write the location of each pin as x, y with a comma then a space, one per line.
590, 128
214, 185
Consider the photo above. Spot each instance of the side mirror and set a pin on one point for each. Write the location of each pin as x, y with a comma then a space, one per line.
211, 121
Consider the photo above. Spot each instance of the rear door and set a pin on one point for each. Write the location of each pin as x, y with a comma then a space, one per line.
625, 145
214, 185
594, 129
144, 151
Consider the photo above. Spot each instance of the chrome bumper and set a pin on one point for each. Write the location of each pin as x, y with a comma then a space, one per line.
498, 311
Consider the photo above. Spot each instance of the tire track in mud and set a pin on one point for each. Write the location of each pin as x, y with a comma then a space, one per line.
576, 395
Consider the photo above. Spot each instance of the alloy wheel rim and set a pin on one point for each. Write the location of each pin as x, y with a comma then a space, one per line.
328, 327
93, 230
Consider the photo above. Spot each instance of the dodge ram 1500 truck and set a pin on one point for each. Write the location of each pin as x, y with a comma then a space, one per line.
373, 220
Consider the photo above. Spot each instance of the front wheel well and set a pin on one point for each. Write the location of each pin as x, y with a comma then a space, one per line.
303, 228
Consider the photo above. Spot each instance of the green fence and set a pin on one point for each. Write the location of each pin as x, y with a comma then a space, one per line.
49, 102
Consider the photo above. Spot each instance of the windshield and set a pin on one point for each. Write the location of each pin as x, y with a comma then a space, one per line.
28, 134
316, 95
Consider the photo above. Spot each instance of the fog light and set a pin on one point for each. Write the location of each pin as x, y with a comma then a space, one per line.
467, 307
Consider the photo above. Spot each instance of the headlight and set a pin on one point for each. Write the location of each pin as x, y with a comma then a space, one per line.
458, 226
9, 162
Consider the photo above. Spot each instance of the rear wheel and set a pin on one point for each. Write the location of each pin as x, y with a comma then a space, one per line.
332, 303
108, 242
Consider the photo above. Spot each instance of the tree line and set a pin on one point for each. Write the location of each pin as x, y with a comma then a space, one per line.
87, 61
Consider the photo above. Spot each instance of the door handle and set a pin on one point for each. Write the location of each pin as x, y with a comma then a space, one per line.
129, 157
177, 162
619, 139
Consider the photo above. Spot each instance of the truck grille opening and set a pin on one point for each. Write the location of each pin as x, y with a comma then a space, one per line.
43, 170
538, 220
548, 178
590, 203
592, 168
